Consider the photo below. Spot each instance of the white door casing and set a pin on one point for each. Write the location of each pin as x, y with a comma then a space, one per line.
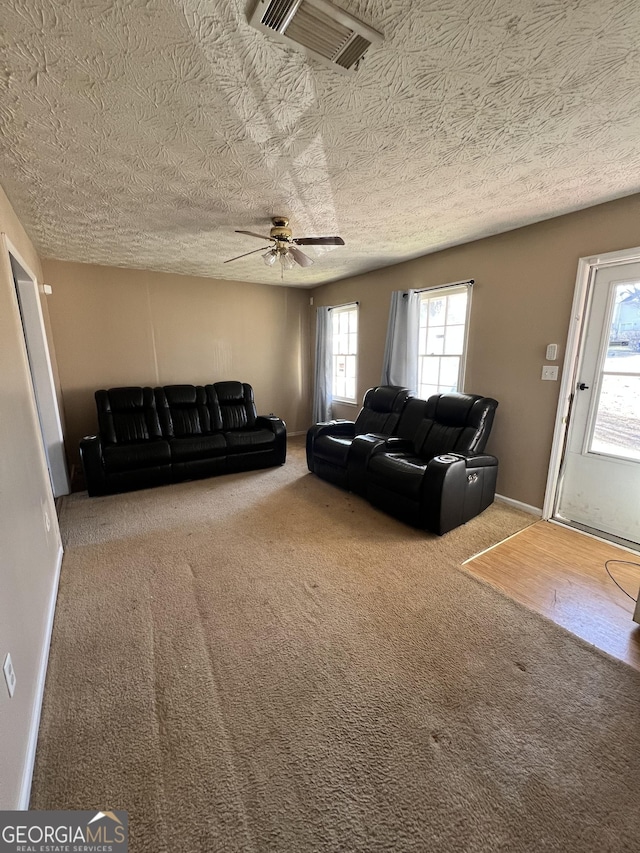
594, 476
41, 370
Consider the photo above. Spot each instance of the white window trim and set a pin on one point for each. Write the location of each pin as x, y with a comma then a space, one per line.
348, 306
449, 290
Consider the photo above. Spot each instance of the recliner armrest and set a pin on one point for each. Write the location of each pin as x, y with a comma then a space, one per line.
279, 429
335, 427
397, 444
93, 465
471, 460
362, 448
456, 487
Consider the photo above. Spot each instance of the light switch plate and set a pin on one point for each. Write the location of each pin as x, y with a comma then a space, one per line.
550, 371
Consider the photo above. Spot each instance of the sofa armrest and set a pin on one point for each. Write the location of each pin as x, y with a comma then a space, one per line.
93, 465
279, 429
272, 422
335, 427
456, 487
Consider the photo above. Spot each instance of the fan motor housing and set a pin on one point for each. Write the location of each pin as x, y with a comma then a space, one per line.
280, 230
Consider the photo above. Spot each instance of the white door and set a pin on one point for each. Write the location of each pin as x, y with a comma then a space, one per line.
41, 376
600, 476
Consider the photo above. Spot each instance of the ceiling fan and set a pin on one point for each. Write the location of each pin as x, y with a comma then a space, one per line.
284, 247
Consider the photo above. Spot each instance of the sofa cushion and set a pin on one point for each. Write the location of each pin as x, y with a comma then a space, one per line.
129, 457
454, 423
183, 410
239, 440
197, 447
127, 415
381, 409
237, 407
399, 472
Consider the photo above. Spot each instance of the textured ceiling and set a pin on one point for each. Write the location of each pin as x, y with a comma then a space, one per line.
141, 133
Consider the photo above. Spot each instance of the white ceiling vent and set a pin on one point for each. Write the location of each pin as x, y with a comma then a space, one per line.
326, 32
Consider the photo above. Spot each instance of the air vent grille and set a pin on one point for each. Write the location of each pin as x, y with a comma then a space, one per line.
316, 30
353, 52
319, 27
277, 12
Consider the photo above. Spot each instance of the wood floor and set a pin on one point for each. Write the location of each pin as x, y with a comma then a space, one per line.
560, 573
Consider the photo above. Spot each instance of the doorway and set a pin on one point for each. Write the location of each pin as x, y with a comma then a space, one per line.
597, 487
41, 372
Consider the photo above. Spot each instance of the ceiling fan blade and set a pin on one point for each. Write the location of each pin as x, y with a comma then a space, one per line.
253, 234
319, 241
299, 257
237, 257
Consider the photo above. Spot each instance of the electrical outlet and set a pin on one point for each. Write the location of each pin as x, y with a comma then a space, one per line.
636, 612
9, 675
47, 521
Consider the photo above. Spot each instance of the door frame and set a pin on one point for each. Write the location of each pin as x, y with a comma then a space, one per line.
587, 268
29, 308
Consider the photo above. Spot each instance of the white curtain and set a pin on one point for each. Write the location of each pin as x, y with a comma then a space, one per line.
323, 390
400, 365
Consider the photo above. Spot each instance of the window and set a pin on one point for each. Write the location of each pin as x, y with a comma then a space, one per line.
345, 352
442, 340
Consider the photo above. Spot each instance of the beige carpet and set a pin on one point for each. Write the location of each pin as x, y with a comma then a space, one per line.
262, 662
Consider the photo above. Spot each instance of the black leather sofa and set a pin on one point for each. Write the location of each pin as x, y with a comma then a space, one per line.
432, 473
149, 437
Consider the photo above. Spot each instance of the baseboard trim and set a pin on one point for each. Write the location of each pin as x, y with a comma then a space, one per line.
27, 776
291, 434
534, 510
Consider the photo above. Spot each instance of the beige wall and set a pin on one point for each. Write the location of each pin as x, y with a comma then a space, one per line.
29, 555
117, 326
521, 302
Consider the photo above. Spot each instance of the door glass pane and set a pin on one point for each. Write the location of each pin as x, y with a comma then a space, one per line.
623, 351
617, 425
616, 429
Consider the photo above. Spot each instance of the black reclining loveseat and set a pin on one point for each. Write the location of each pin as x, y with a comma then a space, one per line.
426, 468
149, 437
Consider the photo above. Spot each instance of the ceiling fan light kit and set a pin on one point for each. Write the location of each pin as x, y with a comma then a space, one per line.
285, 246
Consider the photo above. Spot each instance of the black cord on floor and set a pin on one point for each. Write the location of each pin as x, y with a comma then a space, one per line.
627, 563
